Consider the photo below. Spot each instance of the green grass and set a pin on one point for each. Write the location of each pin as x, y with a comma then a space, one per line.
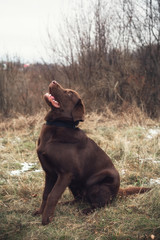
125, 141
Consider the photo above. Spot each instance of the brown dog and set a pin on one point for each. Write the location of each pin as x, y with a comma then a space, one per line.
71, 159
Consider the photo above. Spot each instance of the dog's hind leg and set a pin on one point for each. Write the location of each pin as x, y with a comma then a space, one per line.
98, 196
77, 192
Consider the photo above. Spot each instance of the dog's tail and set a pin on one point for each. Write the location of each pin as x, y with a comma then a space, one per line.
123, 192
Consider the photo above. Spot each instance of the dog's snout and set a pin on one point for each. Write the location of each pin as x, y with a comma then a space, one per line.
54, 82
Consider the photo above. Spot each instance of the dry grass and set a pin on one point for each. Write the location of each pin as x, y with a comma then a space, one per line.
135, 151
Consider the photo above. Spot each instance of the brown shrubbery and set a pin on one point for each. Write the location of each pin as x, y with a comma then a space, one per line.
111, 55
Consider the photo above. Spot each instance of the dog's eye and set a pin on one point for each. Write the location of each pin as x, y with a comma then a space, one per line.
69, 93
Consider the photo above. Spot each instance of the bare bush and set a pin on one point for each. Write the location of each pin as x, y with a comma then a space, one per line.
142, 21
112, 53
21, 89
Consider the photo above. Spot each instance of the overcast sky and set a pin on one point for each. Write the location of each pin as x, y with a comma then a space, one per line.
23, 26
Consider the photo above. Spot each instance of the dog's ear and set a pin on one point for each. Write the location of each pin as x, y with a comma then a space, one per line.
78, 111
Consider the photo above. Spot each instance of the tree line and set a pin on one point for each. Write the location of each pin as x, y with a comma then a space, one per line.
109, 51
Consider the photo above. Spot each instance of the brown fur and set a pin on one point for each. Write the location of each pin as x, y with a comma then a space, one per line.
71, 159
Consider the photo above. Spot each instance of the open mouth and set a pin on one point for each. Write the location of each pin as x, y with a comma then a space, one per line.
52, 100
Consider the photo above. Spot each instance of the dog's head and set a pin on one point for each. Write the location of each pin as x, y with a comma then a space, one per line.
65, 104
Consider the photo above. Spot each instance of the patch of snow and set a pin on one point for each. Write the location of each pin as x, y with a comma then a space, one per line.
123, 171
25, 167
15, 172
1, 144
154, 181
38, 170
149, 159
16, 140
153, 133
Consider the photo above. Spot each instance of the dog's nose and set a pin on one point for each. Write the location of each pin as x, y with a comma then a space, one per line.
54, 82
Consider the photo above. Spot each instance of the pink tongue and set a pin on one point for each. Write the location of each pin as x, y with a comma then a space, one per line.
52, 98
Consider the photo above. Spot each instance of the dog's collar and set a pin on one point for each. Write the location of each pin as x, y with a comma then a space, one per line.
62, 124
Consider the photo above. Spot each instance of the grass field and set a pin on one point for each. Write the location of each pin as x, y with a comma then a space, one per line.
130, 139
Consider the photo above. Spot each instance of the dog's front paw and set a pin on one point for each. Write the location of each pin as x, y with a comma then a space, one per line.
45, 221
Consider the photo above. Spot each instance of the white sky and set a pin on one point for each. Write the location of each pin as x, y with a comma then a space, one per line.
23, 26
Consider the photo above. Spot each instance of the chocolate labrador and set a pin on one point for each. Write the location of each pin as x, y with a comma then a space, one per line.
71, 159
